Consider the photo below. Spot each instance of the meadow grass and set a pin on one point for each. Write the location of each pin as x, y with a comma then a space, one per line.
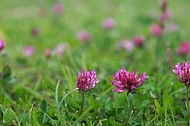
37, 91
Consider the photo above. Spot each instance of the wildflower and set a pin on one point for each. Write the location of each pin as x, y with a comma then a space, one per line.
171, 27
2, 45
58, 8
139, 41
86, 80
184, 48
108, 23
83, 36
125, 80
28, 51
60, 49
165, 15
156, 30
163, 4
128, 45
183, 72
35, 31
47, 53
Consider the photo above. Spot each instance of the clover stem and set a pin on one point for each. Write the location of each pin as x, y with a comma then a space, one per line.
82, 104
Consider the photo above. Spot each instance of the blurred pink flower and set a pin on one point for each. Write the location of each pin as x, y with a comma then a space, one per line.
184, 48
28, 51
86, 80
156, 30
108, 23
163, 4
47, 53
125, 80
83, 36
171, 27
35, 31
2, 45
139, 41
60, 49
183, 72
58, 8
165, 15
126, 44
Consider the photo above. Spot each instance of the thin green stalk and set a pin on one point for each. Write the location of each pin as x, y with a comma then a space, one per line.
187, 104
129, 113
82, 104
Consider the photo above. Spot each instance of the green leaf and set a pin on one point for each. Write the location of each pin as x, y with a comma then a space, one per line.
158, 107
144, 103
43, 105
8, 115
112, 120
6, 71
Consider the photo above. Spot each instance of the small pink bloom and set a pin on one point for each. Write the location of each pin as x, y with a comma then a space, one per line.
139, 41
58, 8
165, 16
2, 45
47, 53
125, 80
28, 51
163, 4
83, 36
184, 48
128, 45
108, 23
86, 80
60, 49
156, 30
35, 31
171, 27
183, 72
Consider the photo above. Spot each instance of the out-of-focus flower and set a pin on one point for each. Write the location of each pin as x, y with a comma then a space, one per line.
163, 4
60, 49
108, 23
28, 51
47, 53
171, 27
183, 72
35, 31
58, 8
184, 49
165, 15
126, 44
139, 41
2, 45
156, 30
86, 80
125, 80
83, 36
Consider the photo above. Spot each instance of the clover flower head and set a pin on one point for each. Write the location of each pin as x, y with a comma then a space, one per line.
139, 40
86, 80
125, 80
184, 48
156, 30
47, 53
128, 45
2, 45
83, 36
108, 23
183, 72
28, 51
58, 8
